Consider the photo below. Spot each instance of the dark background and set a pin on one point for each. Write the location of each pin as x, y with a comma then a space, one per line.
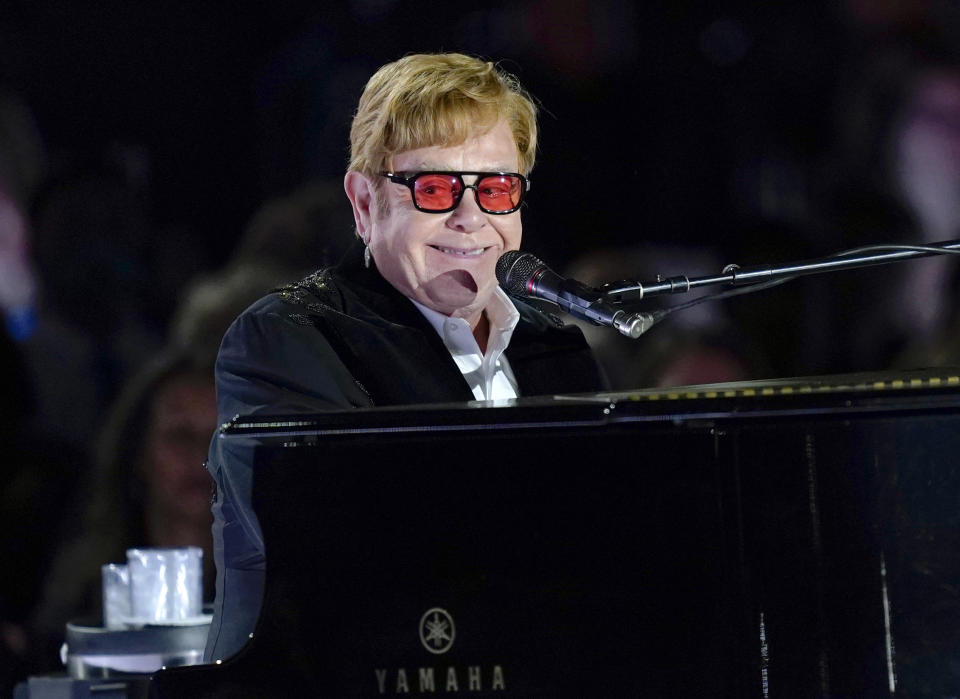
215, 111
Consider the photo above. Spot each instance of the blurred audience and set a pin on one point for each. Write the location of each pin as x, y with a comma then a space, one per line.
15, 589
22, 165
891, 174
896, 179
148, 486
308, 229
18, 282
38, 474
94, 331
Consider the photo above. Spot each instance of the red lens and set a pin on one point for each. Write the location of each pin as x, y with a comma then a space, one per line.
500, 192
436, 192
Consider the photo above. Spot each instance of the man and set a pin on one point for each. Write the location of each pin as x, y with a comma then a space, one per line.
441, 149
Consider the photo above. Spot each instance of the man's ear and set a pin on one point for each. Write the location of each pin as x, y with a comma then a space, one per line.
360, 193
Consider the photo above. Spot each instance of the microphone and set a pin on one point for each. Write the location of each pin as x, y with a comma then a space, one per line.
523, 274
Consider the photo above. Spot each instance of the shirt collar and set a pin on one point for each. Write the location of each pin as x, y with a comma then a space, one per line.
501, 313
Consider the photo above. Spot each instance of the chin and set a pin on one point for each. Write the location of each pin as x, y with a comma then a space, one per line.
459, 304
454, 291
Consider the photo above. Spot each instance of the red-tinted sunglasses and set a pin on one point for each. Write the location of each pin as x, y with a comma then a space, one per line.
437, 192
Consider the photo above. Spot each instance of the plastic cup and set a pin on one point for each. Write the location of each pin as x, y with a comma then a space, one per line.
116, 594
166, 585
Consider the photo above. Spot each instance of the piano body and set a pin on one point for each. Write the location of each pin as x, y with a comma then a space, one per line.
786, 538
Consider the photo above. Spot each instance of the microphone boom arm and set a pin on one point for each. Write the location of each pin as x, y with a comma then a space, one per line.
734, 275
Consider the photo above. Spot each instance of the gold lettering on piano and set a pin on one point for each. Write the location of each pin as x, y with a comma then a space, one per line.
498, 678
381, 680
473, 673
452, 680
427, 680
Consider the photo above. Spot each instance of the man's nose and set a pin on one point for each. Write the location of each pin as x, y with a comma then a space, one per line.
467, 216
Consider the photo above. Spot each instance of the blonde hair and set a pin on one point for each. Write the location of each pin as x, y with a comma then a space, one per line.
438, 100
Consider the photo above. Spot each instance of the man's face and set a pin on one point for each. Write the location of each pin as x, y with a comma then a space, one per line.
183, 413
446, 261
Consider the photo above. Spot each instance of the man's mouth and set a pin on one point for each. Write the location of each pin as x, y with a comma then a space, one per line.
471, 252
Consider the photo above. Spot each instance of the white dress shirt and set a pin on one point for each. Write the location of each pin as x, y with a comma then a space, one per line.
488, 375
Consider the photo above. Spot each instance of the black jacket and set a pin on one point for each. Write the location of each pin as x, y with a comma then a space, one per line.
343, 338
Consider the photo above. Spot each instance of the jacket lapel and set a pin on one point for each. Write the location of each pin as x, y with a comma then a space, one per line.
399, 358
393, 350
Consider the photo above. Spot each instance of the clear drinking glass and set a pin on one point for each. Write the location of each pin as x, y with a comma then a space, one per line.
166, 584
116, 594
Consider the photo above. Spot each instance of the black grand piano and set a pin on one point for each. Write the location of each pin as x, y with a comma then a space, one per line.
787, 538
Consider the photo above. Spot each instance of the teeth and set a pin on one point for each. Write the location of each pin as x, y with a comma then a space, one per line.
463, 253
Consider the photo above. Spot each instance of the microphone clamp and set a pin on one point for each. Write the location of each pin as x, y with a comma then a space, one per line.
633, 325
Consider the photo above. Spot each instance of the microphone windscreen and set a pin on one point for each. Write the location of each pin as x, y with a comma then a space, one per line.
515, 269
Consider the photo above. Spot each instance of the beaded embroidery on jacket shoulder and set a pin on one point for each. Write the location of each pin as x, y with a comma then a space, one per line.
309, 294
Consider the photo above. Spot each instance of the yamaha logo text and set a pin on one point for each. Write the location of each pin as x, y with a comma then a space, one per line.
437, 635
